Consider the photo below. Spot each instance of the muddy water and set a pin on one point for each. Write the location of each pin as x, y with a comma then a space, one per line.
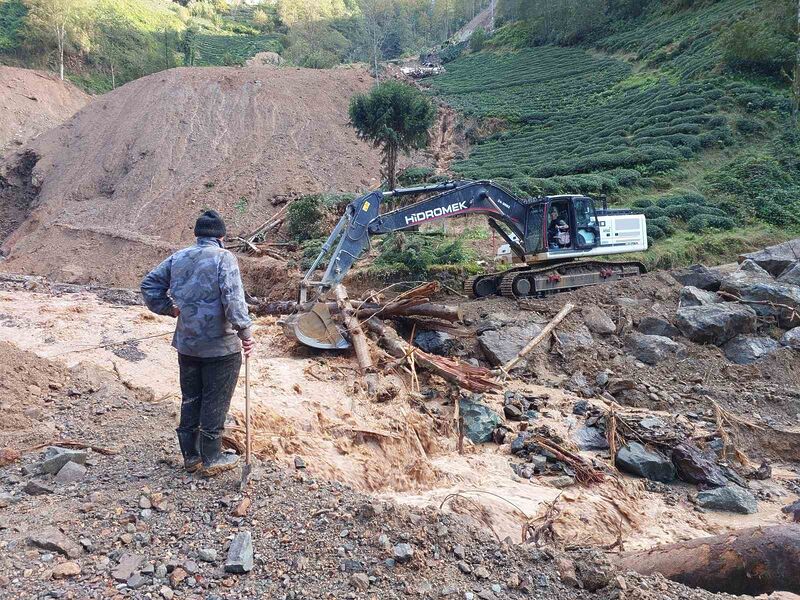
312, 406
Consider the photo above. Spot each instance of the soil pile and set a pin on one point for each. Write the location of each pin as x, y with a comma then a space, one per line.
128, 175
32, 103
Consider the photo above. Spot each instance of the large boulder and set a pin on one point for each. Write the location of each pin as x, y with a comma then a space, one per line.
656, 326
692, 296
775, 259
576, 341
479, 420
791, 275
636, 459
695, 467
751, 287
750, 266
501, 345
792, 338
746, 349
715, 323
597, 320
731, 498
699, 276
652, 349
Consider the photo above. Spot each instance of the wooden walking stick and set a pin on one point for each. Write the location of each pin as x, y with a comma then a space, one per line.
247, 466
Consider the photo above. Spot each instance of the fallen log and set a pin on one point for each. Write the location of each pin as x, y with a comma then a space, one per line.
475, 379
357, 338
753, 561
443, 312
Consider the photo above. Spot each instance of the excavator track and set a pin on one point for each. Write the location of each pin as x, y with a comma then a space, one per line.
569, 275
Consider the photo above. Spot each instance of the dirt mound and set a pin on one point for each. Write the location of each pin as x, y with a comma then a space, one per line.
26, 381
128, 175
33, 102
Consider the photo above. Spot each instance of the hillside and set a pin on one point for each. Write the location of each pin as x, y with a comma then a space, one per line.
33, 102
129, 173
644, 114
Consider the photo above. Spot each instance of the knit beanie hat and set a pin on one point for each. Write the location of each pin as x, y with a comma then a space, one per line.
209, 224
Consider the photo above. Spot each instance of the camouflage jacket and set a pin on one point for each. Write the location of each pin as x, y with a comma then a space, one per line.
203, 281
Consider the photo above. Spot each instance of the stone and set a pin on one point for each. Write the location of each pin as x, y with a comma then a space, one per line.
66, 569
715, 323
166, 593
699, 276
512, 412
561, 482
359, 581
137, 581
128, 564
501, 345
730, 498
435, 342
751, 266
652, 349
56, 457
783, 299
144, 502
575, 342
581, 407
634, 458
8, 456
566, 572
590, 438
240, 554
481, 572
775, 259
464, 567
37, 487
53, 540
597, 320
207, 554
458, 551
791, 275
694, 467
7, 499
479, 420
791, 338
657, 326
595, 573
178, 576
403, 553
71, 472
747, 349
692, 296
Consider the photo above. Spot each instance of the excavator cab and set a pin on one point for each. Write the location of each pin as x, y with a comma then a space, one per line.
572, 224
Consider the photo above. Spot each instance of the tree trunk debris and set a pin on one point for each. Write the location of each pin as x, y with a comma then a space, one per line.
757, 560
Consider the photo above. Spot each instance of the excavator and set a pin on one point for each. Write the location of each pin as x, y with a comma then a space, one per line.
552, 240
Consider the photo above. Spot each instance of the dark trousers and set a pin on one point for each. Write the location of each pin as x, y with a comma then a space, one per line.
207, 386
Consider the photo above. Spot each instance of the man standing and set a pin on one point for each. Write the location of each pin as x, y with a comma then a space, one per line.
202, 287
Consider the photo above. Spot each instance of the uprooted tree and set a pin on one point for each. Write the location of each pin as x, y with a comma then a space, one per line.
394, 117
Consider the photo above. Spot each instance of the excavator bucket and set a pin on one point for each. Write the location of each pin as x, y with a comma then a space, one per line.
316, 328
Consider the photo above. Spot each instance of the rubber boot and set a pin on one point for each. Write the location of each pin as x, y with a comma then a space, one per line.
189, 441
214, 460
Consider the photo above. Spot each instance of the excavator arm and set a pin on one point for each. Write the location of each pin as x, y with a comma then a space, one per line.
362, 219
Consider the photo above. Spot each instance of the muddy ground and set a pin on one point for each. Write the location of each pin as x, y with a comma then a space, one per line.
400, 454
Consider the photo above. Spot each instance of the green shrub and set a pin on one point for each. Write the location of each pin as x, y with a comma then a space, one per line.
653, 212
415, 176
310, 250
478, 39
654, 231
452, 52
700, 223
747, 126
304, 218
663, 223
681, 199
642, 203
418, 256
781, 207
